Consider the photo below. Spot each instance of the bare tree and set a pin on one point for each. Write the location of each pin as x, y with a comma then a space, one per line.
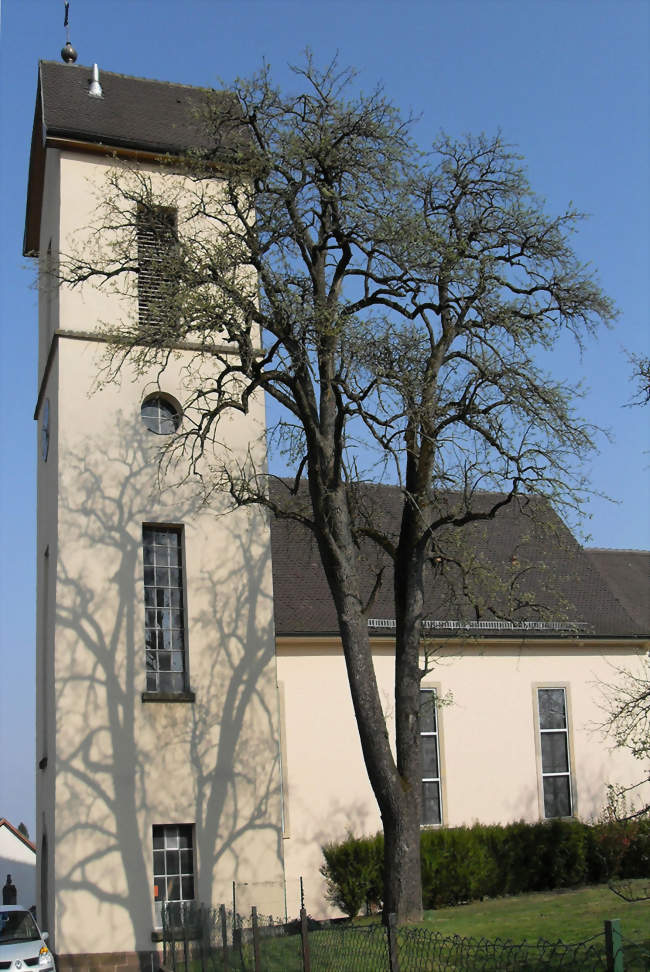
641, 375
389, 302
626, 701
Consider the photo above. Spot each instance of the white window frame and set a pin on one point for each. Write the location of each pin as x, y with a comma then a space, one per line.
167, 412
427, 733
565, 731
172, 835
156, 628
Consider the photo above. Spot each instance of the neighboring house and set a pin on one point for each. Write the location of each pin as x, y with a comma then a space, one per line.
194, 726
18, 859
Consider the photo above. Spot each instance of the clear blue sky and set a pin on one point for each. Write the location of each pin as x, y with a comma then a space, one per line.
565, 80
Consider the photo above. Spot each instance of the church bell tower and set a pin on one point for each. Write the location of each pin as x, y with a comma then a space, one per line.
158, 776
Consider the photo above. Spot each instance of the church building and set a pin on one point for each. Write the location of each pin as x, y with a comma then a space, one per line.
195, 734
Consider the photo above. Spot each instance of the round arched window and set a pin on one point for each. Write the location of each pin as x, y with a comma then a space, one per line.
160, 414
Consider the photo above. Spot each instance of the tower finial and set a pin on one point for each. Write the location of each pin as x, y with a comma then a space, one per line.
68, 52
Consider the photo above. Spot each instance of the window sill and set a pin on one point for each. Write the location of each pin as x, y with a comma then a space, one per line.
168, 696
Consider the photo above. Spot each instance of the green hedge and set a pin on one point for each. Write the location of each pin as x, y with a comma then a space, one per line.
353, 871
466, 863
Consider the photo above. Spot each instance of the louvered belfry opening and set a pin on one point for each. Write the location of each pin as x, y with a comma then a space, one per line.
157, 234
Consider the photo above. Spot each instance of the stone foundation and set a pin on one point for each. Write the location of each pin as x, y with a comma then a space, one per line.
109, 962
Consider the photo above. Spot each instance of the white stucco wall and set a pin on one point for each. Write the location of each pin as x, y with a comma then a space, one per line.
118, 765
488, 740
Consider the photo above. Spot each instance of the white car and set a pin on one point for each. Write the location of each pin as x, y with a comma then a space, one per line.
22, 945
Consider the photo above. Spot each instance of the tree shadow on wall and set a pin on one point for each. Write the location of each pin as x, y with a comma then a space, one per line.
123, 765
242, 767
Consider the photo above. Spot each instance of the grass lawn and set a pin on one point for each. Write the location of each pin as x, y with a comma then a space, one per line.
572, 916
569, 916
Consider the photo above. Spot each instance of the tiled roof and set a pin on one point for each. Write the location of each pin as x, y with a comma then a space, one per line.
529, 572
157, 116
133, 114
627, 573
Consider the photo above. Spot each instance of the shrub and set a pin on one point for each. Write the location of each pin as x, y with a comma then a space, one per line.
466, 863
457, 865
619, 849
636, 859
353, 872
544, 855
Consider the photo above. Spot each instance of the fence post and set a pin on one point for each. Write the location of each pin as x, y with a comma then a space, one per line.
224, 937
164, 932
236, 932
184, 920
304, 937
256, 941
171, 935
202, 921
393, 956
614, 945
304, 932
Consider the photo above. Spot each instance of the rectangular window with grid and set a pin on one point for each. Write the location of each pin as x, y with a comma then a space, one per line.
157, 236
173, 869
431, 813
554, 746
164, 619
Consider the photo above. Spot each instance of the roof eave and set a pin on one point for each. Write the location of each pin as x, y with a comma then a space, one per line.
31, 236
591, 639
60, 139
16, 833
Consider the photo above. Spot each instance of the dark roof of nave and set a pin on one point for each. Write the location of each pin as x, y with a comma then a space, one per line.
519, 575
627, 574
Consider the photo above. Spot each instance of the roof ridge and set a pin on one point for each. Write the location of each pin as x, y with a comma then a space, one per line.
137, 77
399, 487
616, 550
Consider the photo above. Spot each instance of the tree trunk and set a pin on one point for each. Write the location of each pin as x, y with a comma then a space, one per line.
402, 871
402, 847
396, 785
397, 793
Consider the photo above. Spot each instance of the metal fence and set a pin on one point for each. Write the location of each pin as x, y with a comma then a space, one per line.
201, 939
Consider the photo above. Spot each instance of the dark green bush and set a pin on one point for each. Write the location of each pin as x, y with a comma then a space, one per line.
636, 859
353, 872
457, 865
619, 849
467, 863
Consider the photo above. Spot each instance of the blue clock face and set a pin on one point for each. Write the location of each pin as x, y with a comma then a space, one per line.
45, 430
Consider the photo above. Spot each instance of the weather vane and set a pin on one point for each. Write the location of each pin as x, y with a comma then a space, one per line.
68, 52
